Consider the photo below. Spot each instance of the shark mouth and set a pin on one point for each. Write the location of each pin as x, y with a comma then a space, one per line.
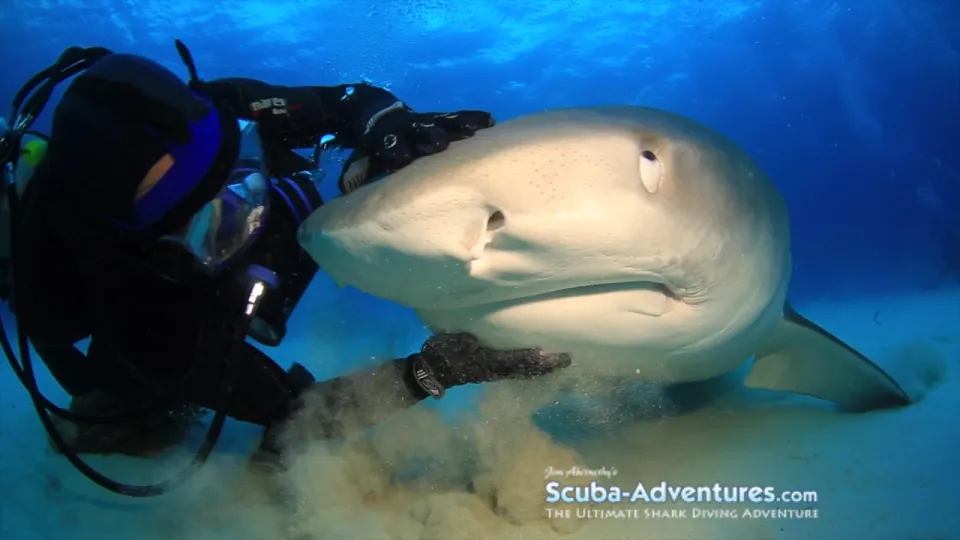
643, 297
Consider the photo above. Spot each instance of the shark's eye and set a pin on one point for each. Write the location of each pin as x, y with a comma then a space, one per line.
651, 172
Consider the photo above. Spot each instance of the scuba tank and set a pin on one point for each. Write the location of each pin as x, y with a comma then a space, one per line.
33, 148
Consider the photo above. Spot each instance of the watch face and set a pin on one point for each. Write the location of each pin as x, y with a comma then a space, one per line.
424, 377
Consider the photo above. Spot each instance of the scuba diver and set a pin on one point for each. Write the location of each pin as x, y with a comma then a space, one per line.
165, 233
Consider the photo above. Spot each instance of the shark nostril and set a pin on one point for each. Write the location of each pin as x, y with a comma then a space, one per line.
496, 221
480, 242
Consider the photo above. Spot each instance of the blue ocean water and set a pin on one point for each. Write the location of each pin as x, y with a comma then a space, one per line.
853, 108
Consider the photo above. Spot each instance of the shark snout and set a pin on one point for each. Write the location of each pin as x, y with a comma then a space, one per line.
455, 223
425, 248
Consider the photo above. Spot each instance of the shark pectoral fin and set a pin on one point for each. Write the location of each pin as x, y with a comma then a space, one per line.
803, 358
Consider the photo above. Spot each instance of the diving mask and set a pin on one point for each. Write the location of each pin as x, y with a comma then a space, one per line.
226, 226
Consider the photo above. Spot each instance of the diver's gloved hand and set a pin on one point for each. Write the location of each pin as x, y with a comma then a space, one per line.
388, 135
395, 135
448, 360
400, 136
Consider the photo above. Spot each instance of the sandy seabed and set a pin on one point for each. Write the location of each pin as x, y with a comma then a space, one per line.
480, 473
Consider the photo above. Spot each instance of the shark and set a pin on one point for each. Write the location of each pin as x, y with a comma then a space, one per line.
641, 242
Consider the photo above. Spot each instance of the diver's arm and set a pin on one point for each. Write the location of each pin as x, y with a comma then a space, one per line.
299, 115
335, 407
357, 401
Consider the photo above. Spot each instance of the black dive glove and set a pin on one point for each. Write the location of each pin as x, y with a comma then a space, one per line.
396, 135
401, 136
448, 360
391, 135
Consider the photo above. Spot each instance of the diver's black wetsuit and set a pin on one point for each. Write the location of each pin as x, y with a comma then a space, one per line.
170, 332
